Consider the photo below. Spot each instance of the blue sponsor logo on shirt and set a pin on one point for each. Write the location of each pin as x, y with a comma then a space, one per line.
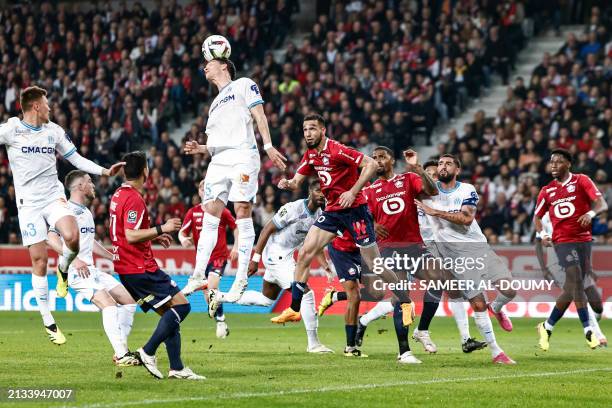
37, 149
255, 89
90, 230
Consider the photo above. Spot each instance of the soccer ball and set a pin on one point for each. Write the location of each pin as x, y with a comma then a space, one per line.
216, 46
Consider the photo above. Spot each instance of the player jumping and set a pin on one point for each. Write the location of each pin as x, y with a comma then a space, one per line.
233, 169
31, 144
337, 168
100, 288
458, 237
572, 201
189, 235
133, 259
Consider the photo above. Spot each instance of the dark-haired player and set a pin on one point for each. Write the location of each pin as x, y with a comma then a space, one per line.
459, 238
233, 170
571, 201
32, 144
131, 235
343, 172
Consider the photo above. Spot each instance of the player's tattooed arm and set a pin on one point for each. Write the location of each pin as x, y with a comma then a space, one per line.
412, 162
259, 115
599, 206
465, 216
264, 235
293, 184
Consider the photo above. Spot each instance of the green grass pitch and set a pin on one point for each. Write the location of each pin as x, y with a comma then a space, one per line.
264, 365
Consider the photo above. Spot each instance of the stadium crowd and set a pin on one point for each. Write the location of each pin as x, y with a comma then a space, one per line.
380, 72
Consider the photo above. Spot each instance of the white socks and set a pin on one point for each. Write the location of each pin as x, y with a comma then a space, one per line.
66, 259
254, 298
207, 242
378, 311
499, 302
246, 239
483, 322
126, 320
595, 325
309, 316
461, 318
110, 320
40, 286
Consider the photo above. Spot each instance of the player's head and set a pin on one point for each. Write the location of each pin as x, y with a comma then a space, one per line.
560, 163
201, 190
449, 167
78, 182
385, 159
136, 168
218, 68
315, 194
431, 168
34, 100
314, 129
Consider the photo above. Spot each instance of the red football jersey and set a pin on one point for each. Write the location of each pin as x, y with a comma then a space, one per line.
392, 205
345, 243
337, 167
129, 211
193, 223
565, 203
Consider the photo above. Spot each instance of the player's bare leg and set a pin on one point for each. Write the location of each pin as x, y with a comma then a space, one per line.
126, 307
40, 285
206, 245
110, 321
316, 239
69, 231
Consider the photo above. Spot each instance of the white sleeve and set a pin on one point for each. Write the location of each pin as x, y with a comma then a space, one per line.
63, 144
250, 91
547, 228
470, 197
84, 164
7, 129
286, 215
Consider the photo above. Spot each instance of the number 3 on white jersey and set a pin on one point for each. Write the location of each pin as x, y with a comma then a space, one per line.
393, 205
564, 210
325, 177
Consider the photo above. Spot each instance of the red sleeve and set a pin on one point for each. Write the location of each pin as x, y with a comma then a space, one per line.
187, 222
134, 211
416, 184
541, 204
590, 188
228, 219
349, 156
304, 168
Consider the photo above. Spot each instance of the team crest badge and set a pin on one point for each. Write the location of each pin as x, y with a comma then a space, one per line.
244, 178
571, 188
326, 161
399, 184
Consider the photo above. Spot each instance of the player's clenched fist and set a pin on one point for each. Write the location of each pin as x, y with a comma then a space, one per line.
285, 184
172, 225
193, 147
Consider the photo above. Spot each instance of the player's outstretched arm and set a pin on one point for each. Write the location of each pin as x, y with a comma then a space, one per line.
264, 235
135, 236
293, 184
193, 147
412, 160
259, 115
465, 216
99, 250
90, 167
368, 170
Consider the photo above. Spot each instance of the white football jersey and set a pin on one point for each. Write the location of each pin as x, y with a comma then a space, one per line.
230, 124
426, 224
31, 154
292, 220
451, 201
87, 231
